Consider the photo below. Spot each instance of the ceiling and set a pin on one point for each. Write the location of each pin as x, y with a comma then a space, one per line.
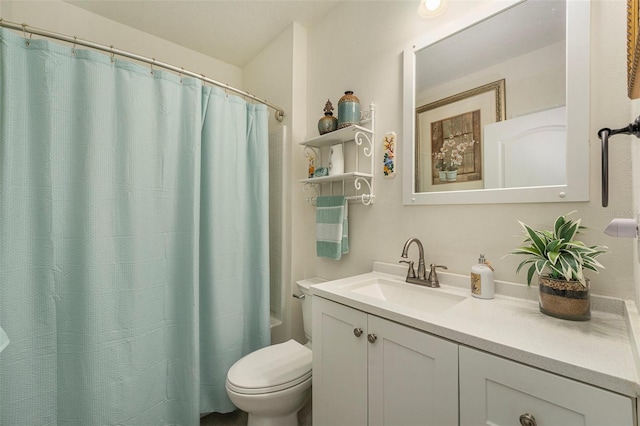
233, 31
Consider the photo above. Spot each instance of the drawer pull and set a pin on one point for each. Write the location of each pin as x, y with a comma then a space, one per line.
527, 419
372, 338
357, 332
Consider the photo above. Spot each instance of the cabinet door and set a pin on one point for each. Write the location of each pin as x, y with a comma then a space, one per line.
413, 377
495, 391
339, 364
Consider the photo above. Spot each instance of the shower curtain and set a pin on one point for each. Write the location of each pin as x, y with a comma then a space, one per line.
133, 240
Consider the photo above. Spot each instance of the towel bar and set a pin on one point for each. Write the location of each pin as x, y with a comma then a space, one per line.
604, 134
365, 199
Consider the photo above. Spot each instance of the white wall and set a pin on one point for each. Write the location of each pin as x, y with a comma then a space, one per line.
635, 160
64, 18
535, 82
279, 74
366, 58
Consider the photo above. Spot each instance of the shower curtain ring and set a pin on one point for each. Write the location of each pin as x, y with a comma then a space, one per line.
180, 74
113, 55
226, 91
24, 32
154, 61
73, 49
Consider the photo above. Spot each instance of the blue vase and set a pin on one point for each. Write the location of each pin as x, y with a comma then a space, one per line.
348, 110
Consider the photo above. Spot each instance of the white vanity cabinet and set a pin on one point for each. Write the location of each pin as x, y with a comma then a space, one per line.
371, 371
496, 391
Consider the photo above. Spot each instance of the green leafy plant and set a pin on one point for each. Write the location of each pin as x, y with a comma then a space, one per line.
557, 252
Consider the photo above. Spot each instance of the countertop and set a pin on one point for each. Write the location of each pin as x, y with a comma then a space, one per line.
602, 352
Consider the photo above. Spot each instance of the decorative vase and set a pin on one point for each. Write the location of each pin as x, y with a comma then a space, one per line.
452, 175
348, 110
442, 175
328, 123
564, 299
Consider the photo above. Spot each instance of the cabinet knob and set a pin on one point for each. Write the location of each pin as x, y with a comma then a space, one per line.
372, 338
357, 332
527, 419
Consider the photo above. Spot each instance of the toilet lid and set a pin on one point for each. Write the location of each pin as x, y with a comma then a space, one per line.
271, 369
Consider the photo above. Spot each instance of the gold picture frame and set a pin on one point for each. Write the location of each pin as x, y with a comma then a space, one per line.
470, 110
633, 48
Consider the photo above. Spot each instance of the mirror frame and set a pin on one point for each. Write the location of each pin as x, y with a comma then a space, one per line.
633, 49
578, 30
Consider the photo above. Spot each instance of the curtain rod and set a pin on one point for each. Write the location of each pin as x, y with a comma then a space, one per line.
279, 112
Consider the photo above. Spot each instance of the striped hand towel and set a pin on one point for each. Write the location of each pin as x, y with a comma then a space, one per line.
331, 227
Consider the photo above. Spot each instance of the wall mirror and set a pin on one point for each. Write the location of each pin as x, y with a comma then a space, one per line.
489, 115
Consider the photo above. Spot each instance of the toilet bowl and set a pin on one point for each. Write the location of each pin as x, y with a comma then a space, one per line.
272, 384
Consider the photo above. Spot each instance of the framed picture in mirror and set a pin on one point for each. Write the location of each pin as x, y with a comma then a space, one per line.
449, 141
633, 48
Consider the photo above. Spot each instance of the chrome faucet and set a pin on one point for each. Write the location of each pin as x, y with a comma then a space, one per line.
421, 278
411, 274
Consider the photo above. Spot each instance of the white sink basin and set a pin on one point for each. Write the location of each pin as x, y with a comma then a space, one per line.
432, 300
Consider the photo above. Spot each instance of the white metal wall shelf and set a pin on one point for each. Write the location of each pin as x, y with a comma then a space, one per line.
337, 136
357, 183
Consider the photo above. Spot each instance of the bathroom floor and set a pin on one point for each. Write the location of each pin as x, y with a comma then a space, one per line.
235, 418
239, 418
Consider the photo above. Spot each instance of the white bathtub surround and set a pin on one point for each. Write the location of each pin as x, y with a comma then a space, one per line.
602, 352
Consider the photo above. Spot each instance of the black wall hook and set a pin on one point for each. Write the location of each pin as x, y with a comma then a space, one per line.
604, 134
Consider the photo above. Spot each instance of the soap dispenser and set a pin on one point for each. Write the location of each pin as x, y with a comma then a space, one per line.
482, 284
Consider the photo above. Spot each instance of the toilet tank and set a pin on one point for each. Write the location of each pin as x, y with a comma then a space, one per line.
303, 287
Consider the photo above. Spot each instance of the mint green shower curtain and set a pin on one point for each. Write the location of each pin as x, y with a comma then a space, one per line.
234, 239
133, 251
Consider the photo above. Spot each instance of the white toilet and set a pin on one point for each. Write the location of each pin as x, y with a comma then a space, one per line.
273, 383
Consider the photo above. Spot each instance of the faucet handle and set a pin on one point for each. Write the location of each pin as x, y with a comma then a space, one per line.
433, 276
411, 273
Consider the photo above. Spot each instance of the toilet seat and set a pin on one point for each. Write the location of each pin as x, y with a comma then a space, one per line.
271, 369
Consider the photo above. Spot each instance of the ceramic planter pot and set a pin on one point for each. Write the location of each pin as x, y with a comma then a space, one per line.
564, 299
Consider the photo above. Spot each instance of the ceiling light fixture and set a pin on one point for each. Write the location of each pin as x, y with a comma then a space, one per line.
431, 8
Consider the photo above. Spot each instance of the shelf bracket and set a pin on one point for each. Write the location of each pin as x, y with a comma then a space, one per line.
367, 198
360, 138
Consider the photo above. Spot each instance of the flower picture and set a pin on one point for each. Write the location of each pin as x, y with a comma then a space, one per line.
389, 144
451, 153
456, 149
449, 146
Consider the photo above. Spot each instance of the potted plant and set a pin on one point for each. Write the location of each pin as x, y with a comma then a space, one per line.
440, 165
449, 157
559, 260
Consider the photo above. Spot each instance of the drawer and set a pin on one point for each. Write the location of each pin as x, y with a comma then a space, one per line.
496, 391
